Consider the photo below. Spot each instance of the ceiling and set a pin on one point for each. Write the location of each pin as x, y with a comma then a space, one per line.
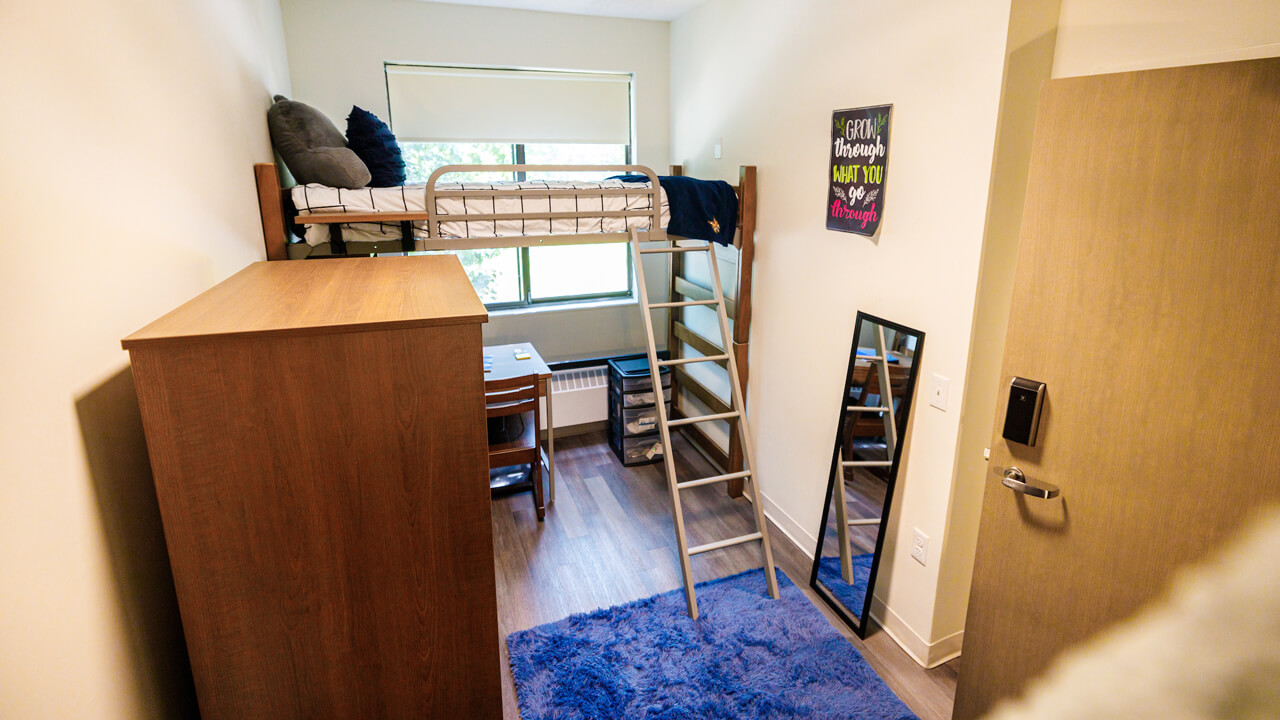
639, 9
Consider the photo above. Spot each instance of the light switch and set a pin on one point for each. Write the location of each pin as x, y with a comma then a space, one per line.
717, 147
938, 392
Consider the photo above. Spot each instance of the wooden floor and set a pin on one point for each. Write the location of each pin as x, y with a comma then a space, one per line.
609, 539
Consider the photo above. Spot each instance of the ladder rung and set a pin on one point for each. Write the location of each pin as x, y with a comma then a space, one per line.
865, 521
703, 418
682, 303
713, 479
867, 463
866, 408
702, 248
682, 361
872, 358
723, 543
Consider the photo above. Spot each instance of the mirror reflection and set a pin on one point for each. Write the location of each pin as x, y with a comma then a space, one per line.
875, 405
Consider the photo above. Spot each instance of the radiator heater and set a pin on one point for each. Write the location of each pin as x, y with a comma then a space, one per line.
580, 396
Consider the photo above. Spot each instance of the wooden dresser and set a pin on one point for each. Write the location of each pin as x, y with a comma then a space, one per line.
317, 436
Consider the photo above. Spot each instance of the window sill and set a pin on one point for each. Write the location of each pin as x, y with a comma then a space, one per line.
565, 306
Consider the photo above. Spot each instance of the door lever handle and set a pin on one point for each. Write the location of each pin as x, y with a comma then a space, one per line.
1015, 480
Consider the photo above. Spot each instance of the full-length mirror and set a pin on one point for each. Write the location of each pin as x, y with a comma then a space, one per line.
870, 436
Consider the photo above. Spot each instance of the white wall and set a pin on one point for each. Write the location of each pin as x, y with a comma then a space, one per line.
336, 50
130, 129
765, 77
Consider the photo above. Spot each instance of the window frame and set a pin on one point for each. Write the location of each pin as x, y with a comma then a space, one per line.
526, 286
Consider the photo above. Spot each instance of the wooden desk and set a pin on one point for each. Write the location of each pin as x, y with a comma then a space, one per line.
505, 365
317, 438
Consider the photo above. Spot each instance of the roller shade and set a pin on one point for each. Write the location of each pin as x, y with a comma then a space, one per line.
443, 104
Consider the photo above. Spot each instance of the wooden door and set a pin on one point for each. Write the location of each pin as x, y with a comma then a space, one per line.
1148, 299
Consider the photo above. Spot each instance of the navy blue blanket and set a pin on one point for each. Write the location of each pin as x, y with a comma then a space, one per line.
700, 209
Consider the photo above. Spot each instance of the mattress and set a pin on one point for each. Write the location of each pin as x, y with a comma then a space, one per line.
315, 198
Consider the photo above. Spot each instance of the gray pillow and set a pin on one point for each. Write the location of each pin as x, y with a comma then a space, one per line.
312, 148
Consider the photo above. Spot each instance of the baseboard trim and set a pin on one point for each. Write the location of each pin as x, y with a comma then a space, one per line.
925, 653
789, 527
580, 429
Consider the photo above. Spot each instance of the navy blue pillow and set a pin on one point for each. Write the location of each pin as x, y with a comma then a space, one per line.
371, 139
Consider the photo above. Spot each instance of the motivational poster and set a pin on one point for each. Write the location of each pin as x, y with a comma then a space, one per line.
859, 155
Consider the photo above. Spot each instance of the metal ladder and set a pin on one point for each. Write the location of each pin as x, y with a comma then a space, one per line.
735, 411
885, 406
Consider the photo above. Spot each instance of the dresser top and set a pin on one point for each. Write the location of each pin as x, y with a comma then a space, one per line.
306, 297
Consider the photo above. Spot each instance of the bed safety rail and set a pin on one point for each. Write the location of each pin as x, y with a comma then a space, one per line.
436, 240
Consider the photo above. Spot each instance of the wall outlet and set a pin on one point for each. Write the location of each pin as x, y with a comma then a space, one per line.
920, 547
938, 392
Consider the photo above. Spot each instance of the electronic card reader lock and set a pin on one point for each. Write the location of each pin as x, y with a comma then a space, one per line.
1022, 425
1022, 417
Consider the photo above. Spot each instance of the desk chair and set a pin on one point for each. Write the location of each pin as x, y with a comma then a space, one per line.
517, 400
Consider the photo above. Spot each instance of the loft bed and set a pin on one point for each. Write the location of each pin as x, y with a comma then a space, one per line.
436, 217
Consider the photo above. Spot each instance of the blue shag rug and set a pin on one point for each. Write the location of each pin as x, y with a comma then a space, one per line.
747, 656
851, 596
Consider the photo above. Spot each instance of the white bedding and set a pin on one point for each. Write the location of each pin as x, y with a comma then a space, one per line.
412, 198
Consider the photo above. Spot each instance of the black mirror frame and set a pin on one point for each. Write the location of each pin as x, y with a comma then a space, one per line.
859, 624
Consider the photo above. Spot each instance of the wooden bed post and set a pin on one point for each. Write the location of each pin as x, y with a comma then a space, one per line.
733, 460
675, 315
271, 209
742, 319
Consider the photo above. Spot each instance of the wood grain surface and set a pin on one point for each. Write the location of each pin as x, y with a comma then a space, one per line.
337, 295
747, 248
271, 210
325, 502
1147, 298
747, 201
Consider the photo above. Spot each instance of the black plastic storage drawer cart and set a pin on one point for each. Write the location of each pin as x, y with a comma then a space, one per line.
633, 416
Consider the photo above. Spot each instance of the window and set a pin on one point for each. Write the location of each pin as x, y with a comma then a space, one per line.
519, 117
